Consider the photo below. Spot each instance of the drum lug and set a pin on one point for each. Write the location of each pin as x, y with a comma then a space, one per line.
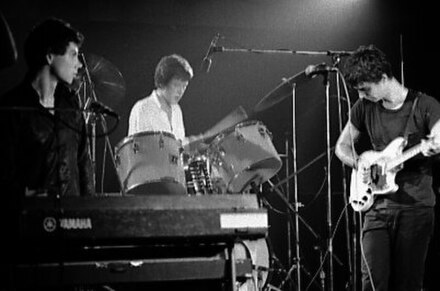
222, 152
135, 148
238, 135
174, 159
262, 131
117, 160
161, 142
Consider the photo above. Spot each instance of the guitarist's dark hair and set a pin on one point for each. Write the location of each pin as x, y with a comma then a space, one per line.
366, 64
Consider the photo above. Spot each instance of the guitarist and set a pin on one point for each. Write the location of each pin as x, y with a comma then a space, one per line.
398, 226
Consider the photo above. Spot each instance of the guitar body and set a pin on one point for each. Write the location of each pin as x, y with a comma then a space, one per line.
381, 179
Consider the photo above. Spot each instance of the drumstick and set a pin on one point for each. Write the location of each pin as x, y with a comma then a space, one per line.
233, 118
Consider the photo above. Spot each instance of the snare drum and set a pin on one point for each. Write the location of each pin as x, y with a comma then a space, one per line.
149, 163
245, 155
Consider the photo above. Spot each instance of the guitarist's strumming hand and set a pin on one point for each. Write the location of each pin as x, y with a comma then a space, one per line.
364, 169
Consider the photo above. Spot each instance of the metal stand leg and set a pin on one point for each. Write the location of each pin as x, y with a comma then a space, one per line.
232, 267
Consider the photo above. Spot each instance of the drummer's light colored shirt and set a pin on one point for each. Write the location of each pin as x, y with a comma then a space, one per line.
149, 115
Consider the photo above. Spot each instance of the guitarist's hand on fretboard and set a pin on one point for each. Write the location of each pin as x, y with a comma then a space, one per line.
430, 146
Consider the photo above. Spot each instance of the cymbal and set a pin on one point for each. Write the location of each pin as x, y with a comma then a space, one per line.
107, 81
281, 92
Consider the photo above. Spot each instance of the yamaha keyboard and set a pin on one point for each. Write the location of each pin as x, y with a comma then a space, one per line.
143, 217
135, 240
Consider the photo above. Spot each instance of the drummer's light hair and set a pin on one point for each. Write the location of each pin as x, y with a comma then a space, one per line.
53, 35
366, 64
172, 67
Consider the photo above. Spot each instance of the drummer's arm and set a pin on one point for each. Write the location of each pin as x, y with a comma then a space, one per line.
194, 143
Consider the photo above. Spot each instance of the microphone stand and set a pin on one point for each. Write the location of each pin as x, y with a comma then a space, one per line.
297, 260
92, 117
351, 239
288, 230
329, 194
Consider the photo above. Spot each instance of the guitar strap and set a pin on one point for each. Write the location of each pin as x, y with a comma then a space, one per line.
406, 132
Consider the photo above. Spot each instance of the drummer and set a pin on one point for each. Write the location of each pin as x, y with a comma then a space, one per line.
160, 111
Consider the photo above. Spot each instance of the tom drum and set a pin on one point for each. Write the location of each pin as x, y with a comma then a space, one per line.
149, 163
244, 154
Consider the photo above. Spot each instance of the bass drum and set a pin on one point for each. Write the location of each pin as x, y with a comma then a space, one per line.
244, 155
260, 252
149, 163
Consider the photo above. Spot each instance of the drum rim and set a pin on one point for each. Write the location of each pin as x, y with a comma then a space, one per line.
227, 131
171, 181
129, 138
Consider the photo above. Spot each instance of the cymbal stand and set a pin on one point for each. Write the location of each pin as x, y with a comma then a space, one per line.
91, 118
88, 118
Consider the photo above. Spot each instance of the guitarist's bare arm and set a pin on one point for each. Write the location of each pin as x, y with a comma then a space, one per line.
344, 149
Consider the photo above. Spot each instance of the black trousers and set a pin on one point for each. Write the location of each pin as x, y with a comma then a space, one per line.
395, 244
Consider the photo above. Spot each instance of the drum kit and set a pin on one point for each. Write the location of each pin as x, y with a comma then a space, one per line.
236, 159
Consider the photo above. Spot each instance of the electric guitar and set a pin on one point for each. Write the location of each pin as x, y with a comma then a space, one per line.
384, 166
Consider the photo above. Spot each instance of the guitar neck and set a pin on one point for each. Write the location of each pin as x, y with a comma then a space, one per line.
408, 154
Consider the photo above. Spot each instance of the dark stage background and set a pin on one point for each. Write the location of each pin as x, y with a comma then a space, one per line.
134, 35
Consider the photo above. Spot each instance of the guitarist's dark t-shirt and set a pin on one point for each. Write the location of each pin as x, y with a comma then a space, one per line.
383, 126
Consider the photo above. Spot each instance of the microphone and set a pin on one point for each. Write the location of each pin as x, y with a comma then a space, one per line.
100, 108
313, 70
207, 61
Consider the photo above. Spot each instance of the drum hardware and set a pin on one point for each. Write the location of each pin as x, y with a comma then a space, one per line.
174, 159
263, 133
238, 135
197, 176
135, 148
